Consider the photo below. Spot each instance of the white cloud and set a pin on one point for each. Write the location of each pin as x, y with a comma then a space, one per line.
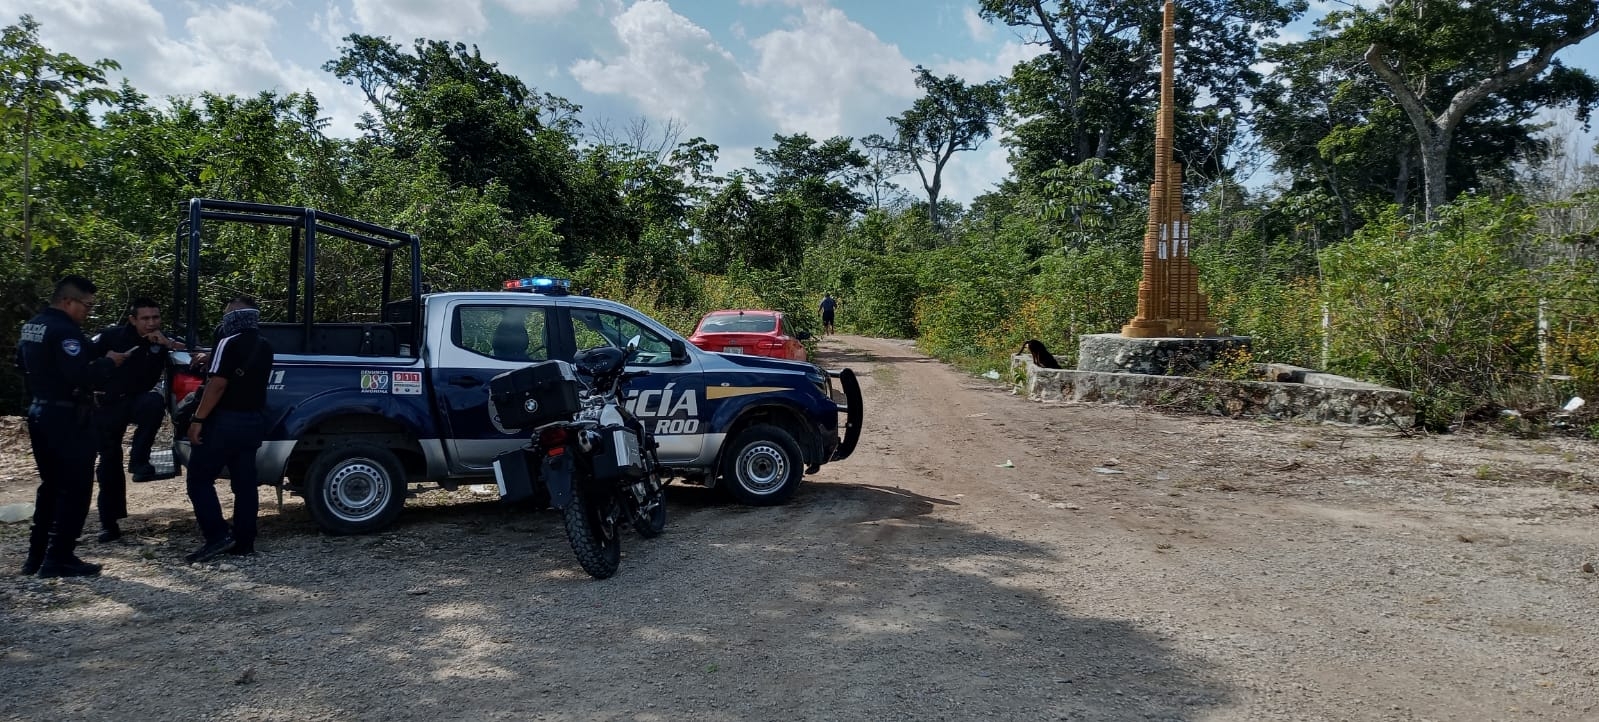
224, 49
332, 26
671, 68
829, 75
539, 8
406, 20
820, 73
979, 28
982, 70
968, 175
91, 29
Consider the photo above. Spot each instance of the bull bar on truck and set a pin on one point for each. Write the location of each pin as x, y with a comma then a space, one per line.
853, 412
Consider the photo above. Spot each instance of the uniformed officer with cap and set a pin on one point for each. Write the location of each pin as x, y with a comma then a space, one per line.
62, 371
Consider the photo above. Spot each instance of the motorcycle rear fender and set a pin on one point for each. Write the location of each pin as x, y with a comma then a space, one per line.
557, 473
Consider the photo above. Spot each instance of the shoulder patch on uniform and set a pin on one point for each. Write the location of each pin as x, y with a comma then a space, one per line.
72, 346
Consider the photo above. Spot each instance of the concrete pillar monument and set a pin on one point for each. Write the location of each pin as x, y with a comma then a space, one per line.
1173, 332
1169, 302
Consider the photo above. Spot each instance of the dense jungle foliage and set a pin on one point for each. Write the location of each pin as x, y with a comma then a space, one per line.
1423, 217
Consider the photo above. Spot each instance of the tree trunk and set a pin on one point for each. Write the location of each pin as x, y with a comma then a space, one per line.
1072, 56
1402, 185
1435, 166
27, 187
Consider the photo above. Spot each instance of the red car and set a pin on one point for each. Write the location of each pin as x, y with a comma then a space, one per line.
762, 333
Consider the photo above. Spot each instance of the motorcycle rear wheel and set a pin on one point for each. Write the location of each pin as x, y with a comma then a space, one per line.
594, 538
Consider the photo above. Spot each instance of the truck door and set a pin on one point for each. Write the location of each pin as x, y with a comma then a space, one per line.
671, 400
484, 339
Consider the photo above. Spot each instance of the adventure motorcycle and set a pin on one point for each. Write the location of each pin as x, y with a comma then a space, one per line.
595, 459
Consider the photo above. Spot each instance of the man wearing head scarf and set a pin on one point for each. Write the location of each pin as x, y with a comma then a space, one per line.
226, 431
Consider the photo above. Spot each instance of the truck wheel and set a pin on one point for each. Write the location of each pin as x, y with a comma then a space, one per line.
762, 466
355, 488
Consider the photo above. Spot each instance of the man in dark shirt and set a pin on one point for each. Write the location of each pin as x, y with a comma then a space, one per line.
130, 397
827, 306
62, 371
226, 431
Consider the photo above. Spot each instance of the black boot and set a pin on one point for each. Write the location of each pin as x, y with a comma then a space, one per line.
109, 532
142, 471
36, 545
210, 550
71, 566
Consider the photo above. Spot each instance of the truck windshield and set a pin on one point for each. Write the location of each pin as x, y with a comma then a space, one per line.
593, 328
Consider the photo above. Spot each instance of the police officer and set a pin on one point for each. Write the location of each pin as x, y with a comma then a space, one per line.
226, 431
61, 372
130, 397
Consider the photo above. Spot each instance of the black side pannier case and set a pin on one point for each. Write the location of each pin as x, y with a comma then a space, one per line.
515, 474
534, 395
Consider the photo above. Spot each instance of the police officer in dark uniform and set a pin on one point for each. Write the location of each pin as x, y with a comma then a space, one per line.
130, 397
227, 430
62, 371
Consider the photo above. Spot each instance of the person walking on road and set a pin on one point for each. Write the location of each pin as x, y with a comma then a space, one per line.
827, 306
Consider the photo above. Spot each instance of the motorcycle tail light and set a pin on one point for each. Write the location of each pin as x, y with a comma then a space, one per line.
553, 440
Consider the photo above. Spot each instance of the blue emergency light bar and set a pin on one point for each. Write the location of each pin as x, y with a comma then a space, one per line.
540, 284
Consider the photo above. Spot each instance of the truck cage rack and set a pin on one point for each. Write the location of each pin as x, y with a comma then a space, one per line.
305, 225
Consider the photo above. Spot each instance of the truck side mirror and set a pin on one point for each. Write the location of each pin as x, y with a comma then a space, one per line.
679, 351
803, 336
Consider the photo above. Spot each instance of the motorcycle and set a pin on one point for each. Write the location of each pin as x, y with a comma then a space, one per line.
596, 461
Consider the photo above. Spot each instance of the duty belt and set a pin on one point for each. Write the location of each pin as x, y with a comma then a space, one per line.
55, 402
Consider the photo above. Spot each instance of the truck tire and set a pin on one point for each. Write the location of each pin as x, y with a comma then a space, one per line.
762, 466
355, 488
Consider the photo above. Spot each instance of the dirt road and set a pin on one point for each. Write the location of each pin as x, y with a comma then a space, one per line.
981, 557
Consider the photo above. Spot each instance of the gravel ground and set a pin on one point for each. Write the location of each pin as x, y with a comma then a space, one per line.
980, 557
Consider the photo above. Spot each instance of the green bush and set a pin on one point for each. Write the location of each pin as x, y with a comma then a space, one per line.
1442, 310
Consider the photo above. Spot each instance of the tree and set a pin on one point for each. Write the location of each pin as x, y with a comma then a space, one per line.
950, 118
1093, 95
490, 125
822, 174
1441, 59
45, 96
883, 163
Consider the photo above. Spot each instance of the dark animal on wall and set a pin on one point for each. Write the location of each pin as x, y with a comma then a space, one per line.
1042, 358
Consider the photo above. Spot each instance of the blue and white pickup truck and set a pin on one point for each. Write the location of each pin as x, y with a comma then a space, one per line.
359, 412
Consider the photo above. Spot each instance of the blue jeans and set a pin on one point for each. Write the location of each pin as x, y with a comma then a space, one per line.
227, 439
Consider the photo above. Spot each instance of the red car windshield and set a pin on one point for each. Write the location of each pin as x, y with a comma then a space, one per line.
736, 323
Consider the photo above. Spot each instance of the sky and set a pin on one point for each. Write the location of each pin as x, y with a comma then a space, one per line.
732, 71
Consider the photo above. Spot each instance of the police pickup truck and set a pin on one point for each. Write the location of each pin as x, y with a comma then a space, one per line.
359, 412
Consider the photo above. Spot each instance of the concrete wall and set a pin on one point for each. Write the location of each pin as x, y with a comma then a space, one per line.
1320, 397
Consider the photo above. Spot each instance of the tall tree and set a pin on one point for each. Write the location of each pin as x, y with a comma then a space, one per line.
821, 174
951, 117
491, 127
44, 98
1092, 96
883, 164
1441, 59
